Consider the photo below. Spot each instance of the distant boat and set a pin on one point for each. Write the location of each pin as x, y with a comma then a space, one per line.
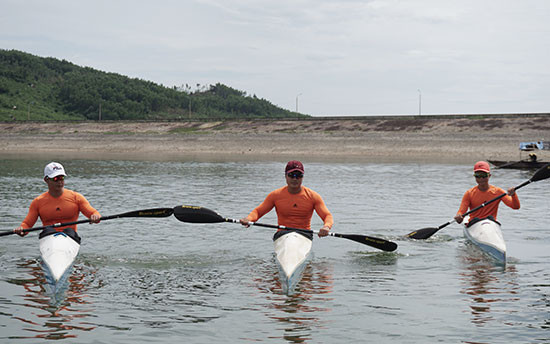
532, 162
518, 164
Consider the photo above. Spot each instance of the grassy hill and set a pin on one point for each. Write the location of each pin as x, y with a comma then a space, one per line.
38, 88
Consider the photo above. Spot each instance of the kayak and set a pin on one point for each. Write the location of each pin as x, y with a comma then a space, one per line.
58, 251
292, 251
486, 235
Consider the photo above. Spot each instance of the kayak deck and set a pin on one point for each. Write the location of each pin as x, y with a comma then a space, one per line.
292, 252
486, 235
58, 252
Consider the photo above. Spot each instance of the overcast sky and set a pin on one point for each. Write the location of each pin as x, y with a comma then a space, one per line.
337, 57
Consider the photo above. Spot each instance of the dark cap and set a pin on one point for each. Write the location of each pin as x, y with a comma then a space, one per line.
294, 165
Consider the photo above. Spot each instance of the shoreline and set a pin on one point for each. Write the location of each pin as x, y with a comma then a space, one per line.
383, 148
443, 140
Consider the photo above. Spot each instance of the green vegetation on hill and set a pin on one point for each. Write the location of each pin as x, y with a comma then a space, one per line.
37, 88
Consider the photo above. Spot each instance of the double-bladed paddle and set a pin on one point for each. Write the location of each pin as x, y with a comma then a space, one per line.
425, 233
155, 212
195, 214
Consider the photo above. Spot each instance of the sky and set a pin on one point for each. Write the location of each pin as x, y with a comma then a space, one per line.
320, 57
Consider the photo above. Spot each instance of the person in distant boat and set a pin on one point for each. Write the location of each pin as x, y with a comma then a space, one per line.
294, 203
58, 205
484, 192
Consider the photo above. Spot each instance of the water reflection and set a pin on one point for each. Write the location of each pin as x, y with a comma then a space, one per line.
54, 316
297, 313
367, 260
492, 289
215, 283
541, 302
544, 305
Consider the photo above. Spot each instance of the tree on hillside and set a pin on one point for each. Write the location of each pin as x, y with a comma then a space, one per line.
66, 90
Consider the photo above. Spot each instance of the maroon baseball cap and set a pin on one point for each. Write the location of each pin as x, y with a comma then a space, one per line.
294, 165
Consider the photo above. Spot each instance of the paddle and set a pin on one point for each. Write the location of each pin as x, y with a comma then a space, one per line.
194, 214
155, 212
425, 233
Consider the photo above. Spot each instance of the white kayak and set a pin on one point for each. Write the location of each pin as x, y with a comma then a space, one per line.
487, 236
292, 252
58, 252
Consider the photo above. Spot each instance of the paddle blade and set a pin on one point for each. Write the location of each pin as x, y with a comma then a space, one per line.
154, 212
423, 233
542, 173
378, 243
194, 214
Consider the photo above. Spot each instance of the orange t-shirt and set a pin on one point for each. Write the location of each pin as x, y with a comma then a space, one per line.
64, 208
293, 210
475, 197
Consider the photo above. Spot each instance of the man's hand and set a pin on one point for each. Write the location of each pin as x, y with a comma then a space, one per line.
245, 222
95, 218
459, 218
324, 231
19, 231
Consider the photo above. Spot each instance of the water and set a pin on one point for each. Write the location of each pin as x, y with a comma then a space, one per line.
162, 281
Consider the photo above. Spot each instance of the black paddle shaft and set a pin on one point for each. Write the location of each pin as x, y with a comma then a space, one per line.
425, 233
196, 214
378, 243
155, 212
484, 204
494, 199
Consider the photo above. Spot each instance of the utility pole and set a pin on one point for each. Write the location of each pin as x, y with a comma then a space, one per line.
419, 103
297, 101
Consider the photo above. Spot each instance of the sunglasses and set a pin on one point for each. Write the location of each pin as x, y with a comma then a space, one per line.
295, 175
57, 178
481, 174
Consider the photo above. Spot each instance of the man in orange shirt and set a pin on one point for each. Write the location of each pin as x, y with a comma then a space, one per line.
294, 203
484, 192
58, 205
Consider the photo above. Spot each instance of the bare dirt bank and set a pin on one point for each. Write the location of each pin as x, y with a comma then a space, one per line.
414, 138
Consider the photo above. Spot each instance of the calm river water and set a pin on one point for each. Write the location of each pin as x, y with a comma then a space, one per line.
164, 281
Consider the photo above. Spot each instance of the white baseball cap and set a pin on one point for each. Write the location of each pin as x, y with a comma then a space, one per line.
54, 169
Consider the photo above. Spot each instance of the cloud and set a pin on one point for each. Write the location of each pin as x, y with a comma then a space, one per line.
346, 57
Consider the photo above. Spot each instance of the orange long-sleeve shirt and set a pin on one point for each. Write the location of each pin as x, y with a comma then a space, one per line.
474, 197
293, 210
64, 208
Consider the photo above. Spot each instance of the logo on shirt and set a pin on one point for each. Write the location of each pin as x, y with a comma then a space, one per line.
58, 209
295, 205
